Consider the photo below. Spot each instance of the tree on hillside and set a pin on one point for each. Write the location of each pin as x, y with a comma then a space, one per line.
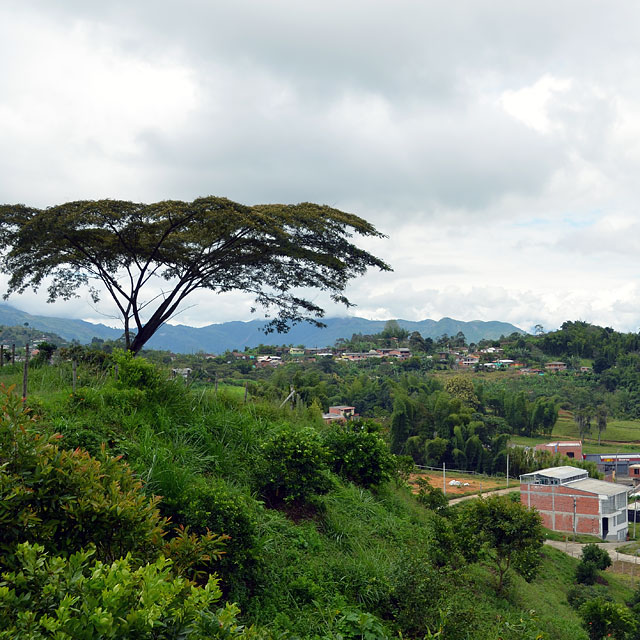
270, 251
461, 387
392, 329
601, 420
582, 417
505, 533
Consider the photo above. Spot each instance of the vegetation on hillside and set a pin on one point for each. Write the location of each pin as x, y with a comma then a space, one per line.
320, 545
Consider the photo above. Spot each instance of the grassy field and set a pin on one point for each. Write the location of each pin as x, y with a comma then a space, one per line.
621, 436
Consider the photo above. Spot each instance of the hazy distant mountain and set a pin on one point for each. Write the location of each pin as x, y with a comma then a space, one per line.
217, 338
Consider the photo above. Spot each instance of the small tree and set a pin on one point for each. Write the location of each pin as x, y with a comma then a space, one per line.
508, 535
431, 497
601, 420
358, 455
594, 559
293, 468
461, 387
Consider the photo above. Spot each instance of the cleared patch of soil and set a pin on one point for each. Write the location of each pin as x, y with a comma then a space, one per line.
476, 484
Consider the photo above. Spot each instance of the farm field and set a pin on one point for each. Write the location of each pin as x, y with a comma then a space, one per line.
476, 483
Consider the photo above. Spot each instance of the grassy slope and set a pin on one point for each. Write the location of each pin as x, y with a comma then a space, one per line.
620, 436
352, 556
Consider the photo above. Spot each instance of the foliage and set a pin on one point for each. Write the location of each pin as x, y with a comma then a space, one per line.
194, 556
431, 497
404, 466
578, 594
508, 535
352, 624
378, 558
210, 243
209, 505
593, 559
80, 598
603, 618
66, 499
597, 555
358, 455
293, 467
461, 387
586, 573
136, 373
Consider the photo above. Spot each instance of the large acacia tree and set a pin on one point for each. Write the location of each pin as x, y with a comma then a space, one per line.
272, 251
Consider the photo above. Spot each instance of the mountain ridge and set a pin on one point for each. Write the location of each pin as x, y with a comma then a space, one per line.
237, 334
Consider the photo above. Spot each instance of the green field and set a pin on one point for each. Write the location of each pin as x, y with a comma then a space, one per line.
621, 436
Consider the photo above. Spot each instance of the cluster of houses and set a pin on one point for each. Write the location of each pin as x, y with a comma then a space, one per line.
301, 354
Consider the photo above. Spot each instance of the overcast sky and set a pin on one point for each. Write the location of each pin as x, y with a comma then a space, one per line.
497, 144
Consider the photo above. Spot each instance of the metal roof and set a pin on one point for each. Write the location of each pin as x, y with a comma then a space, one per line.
599, 487
562, 473
565, 443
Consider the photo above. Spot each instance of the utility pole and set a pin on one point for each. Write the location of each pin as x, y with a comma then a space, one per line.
574, 519
507, 470
25, 372
444, 479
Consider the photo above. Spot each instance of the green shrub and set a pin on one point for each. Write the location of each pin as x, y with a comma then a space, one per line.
66, 499
86, 398
78, 598
354, 625
418, 592
194, 556
359, 456
136, 373
586, 572
431, 497
403, 467
578, 594
598, 556
209, 505
602, 618
293, 468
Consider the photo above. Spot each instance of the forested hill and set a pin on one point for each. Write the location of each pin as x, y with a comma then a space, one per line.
217, 338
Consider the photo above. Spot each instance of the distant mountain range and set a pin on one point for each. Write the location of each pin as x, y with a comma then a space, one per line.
217, 338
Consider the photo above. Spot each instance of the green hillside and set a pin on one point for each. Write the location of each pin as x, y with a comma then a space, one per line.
321, 545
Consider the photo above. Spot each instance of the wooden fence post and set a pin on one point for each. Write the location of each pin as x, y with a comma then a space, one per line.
13, 353
1, 355
216, 383
245, 392
74, 375
25, 373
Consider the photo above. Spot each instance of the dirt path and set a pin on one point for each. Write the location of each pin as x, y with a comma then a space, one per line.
575, 549
499, 492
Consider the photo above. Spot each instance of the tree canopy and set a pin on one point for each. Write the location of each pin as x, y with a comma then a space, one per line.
271, 251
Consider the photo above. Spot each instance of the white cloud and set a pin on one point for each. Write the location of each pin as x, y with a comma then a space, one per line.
496, 143
531, 105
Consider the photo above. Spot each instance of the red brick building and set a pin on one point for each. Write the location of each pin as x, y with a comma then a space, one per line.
340, 413
568, 500
571, 449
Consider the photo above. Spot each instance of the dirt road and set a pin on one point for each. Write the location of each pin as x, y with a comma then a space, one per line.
499, 492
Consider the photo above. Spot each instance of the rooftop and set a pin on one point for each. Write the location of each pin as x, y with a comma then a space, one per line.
562, 473
563, 443
600, 487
